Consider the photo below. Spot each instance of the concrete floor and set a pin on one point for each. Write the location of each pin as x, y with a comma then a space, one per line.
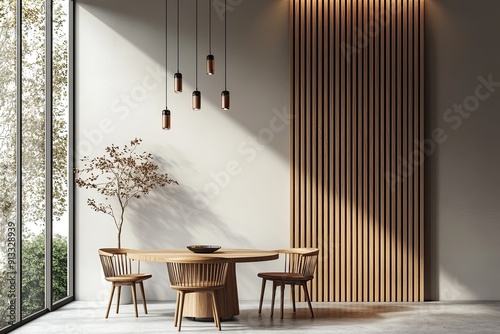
430, 317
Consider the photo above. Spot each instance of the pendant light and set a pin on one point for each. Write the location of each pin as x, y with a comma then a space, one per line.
178, 75
210, 57
225, 93
165, 115
196, 99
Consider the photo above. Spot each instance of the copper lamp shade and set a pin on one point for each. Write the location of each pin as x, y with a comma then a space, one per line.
224, 100
210, 65
196, 99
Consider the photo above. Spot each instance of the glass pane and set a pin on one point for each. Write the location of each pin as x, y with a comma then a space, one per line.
33, 157
8, 198
60, 165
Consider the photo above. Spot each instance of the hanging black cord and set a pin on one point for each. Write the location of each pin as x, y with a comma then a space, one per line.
210, 27
225, 44
166, 54
196, 48
178, 19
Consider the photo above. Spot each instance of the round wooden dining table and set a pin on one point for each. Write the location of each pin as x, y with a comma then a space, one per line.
198, 305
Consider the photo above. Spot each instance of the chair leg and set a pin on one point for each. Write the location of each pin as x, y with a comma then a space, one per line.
282, 298
143, 298
213, 308
181, 309
118, 299
262, 294
293, 297
273, 298
110, 299
177, 308
308, 299
216, 311
134, 298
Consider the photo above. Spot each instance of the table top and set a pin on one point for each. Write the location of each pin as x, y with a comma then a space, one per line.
186, 256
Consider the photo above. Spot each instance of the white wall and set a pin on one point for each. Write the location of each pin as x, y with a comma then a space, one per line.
462, 174
120, 95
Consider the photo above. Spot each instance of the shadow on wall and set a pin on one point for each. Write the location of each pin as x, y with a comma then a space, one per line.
179, 213
175, 218
256, 45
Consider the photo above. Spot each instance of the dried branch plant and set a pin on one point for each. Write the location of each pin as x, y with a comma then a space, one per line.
123, 174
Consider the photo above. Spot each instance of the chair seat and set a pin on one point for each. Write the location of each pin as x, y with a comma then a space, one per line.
285, 277
130, 278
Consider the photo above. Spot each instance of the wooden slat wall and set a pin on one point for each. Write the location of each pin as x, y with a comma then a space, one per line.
356, 162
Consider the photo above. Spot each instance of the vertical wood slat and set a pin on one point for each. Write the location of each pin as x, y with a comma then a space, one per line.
411, 148
370, 68
325, 232
394, 146
383, 154
375, 72
335, 91
356, 69
421, 137
388, 146
349, 179
313, 132
329, 148
343, 145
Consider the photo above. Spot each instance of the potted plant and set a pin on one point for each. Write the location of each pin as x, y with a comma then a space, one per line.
121, 175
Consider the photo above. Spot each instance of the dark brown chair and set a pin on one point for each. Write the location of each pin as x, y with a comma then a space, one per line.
118, 270
300, 266
206, 277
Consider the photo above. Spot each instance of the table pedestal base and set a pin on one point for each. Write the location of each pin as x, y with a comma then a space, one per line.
199, 305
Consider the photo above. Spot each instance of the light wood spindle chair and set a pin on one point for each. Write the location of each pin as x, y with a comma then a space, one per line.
300, 266
118, 270
205, 277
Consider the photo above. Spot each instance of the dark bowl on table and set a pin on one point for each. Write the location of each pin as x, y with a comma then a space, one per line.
203, 248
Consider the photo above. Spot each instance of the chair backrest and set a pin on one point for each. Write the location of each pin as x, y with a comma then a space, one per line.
204, 275
115, 262
300, 260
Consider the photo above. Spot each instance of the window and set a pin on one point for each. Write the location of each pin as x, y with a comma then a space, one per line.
35, 159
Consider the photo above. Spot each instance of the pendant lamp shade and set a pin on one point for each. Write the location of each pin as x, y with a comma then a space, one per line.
196, 100
224, 100
210, 65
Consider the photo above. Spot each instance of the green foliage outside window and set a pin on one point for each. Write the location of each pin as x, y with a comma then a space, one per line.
33, 286
33, 280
